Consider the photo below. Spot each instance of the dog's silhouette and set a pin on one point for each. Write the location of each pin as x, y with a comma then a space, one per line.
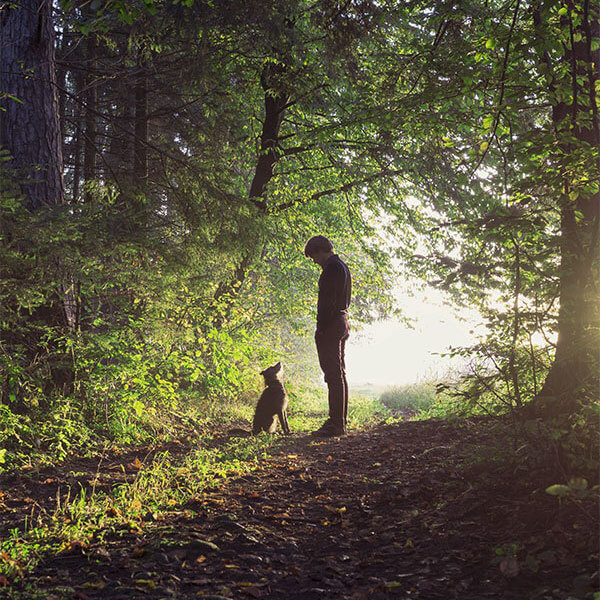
272, 404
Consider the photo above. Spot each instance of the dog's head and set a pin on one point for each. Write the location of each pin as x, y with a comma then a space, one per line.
271, 373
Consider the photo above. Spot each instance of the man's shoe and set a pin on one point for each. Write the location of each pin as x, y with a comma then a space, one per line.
328, 429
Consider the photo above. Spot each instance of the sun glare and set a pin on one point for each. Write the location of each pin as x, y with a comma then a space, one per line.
390, 353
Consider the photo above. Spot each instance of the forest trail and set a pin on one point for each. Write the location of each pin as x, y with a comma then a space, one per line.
423, 509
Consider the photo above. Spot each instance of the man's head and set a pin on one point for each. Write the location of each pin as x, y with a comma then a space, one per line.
319, 248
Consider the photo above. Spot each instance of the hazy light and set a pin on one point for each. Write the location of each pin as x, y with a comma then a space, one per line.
390, 353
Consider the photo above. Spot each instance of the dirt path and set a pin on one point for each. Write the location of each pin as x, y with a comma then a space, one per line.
417, 510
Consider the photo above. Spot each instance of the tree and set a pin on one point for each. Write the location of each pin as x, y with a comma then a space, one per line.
29, 123
30, 132
489, 114
572, 76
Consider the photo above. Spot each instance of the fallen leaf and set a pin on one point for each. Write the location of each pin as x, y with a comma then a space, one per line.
509, 567
390, 585
3, 581
333, 509
96, 585
74, 547
281, 516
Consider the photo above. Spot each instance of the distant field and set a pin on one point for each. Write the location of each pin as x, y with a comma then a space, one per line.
412, 398
369, 390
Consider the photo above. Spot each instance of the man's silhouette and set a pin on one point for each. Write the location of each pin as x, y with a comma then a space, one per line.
335, 286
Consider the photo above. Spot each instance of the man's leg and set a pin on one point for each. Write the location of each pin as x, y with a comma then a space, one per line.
330, 348
344, 380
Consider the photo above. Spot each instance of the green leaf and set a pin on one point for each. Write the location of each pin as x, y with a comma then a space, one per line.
138, 407
2, 455
578, 483
558, 490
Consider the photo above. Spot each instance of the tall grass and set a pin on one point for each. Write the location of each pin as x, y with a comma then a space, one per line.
411, 399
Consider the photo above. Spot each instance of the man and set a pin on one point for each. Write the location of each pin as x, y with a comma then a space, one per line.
332, 330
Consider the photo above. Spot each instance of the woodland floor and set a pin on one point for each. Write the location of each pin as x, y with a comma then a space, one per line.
421, 509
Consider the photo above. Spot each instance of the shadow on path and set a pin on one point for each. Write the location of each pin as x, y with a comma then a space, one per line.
430, 510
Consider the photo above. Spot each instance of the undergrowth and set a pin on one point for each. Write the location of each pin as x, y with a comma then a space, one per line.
411, 398
167, 483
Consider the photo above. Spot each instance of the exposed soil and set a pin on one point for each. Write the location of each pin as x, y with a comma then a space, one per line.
429, 510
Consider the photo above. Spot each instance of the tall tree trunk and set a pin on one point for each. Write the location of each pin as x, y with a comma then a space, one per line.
91, 105
275, 103
29, 123
576, 362
61, 77
140, 150
30, 131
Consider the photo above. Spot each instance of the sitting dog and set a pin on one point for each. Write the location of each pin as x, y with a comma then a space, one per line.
272, 403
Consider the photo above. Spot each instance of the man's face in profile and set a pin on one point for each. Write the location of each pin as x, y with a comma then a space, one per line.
319, 257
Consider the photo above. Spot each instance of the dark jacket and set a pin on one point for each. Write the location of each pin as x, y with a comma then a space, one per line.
335, 287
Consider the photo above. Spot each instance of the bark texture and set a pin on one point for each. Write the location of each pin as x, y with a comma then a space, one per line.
91, 104
29, 123
576, 125
275, 103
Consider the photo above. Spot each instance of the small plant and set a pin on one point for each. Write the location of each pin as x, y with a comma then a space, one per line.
411, 399
577, 489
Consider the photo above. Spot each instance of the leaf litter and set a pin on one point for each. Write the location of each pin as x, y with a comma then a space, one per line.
424, 509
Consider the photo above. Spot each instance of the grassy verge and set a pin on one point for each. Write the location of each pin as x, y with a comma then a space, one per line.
413, 399
167, 483
164, 485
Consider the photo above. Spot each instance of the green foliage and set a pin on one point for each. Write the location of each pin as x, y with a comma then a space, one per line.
576, 488
412, 398
169, 481
427, 148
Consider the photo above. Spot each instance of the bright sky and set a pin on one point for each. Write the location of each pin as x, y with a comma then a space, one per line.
390, 353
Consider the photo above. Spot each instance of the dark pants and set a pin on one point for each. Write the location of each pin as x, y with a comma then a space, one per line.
331, 345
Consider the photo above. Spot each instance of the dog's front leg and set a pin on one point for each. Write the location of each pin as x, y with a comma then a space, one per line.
284, 421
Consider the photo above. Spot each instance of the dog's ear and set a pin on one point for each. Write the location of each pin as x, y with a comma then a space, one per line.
277, 367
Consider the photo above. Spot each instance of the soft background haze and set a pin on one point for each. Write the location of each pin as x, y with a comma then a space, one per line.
391, 353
